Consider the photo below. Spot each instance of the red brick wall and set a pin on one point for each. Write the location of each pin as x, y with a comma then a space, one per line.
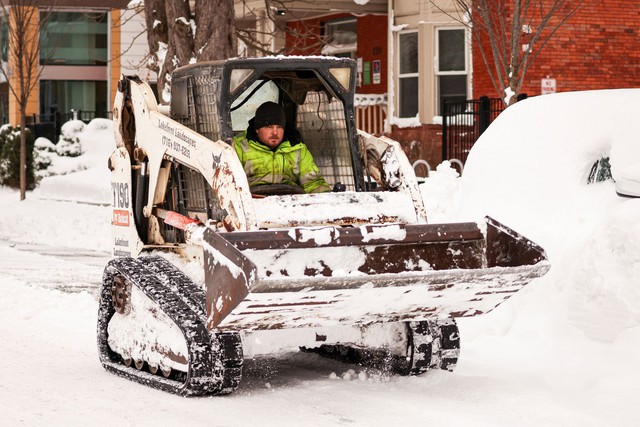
303, 39
598, 48
372, 46
423, 142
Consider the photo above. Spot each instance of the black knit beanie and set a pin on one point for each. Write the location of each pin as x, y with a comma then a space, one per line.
268, 114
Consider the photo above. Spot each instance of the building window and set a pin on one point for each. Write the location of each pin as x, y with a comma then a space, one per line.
70, 38
4, 39
341, 38
62, 96
452, 65
408, 74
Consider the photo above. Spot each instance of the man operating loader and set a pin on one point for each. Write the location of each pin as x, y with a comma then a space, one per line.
275, 162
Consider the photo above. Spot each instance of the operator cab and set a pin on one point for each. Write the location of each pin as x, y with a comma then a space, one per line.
217, 99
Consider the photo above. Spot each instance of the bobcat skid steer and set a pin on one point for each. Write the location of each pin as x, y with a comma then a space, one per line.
206, 274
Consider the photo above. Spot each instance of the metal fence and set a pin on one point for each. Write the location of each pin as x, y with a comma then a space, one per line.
50, 125
463, 122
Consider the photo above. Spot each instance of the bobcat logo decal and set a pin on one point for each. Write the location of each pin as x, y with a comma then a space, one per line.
216, 160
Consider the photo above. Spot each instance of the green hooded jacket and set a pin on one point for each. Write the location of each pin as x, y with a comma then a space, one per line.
290, 164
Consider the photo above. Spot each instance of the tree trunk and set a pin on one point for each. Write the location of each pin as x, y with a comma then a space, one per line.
215, 37
156, 23
23, 156
178, 36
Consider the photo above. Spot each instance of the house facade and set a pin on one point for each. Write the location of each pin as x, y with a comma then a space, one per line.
410, 55
430, 59
426, 55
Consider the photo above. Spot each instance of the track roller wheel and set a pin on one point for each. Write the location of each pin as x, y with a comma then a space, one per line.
153, 369
434, 344
139, 364
166, 372
127, 362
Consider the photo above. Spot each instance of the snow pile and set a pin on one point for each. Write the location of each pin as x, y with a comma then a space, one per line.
84, 178
404, 122
530, 170
441, 192
64, 225
90, 183
314, 209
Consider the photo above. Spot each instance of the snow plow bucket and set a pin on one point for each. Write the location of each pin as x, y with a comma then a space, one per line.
312, 277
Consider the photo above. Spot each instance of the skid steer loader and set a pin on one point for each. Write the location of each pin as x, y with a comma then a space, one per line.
206, 274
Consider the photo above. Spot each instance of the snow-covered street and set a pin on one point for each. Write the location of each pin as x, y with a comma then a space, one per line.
51, 375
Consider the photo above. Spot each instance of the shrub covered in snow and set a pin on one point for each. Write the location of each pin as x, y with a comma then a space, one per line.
77, 142
99, 124
69, 142
10, 157
44, 154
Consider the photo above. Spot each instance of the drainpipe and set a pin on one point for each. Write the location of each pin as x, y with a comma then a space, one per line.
390, 66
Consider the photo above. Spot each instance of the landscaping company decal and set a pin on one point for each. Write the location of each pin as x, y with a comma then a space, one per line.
176, 139
121, 247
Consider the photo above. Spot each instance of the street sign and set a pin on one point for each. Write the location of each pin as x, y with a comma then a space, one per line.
547, 86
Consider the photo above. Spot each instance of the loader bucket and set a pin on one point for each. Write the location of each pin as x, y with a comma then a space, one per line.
312, 277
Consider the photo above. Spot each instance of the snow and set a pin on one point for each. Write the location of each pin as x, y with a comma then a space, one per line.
319, 208
369, 99
564, 351
135, 3
405, 122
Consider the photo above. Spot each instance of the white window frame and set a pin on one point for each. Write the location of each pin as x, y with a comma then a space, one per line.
439, 73
407, 75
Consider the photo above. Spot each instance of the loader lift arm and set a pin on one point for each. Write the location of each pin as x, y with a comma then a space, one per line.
161, 141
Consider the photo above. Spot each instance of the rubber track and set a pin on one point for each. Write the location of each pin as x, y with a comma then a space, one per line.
215, 360
229, 345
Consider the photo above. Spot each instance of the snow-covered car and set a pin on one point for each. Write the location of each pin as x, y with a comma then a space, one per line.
534, 169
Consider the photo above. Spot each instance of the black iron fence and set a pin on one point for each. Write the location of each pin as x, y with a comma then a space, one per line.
464, 121
50, 125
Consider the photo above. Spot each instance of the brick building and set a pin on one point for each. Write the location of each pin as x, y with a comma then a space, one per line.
398, 46
361, 37
598, 48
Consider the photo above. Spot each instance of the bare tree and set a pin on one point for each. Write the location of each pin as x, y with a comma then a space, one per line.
23, 71
509, 35
181, 32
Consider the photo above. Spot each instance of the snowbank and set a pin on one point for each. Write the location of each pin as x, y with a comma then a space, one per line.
530, 170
